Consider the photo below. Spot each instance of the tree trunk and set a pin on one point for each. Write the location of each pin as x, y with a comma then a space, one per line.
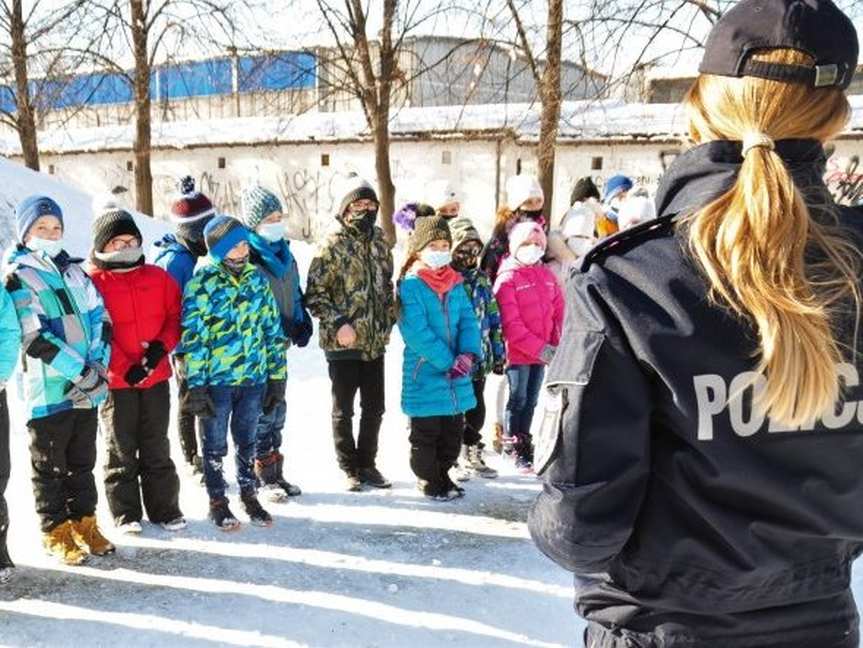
550, 95
386, 187
143, 135
25, 120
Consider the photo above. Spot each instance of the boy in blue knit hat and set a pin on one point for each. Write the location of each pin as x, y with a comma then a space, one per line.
271, 254
235, 356
66, 332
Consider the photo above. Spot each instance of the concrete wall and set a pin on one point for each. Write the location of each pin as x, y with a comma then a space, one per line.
311, 189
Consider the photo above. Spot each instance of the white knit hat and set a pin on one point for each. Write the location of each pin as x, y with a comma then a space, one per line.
520, 189
441, 192
635, 210
580, 220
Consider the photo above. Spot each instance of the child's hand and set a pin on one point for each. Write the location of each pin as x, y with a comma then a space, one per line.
462, 366
346, 336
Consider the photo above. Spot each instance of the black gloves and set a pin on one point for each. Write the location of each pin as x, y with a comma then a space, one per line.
197, 402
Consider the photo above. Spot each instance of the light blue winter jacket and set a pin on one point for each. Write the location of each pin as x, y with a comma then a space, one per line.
435, 331
10, 336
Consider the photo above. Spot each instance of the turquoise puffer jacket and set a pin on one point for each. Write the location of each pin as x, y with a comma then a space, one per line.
435, 331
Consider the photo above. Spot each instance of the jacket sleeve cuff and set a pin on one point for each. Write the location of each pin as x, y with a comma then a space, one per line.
341, 321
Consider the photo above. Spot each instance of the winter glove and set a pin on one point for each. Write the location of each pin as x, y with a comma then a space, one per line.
136, 374
92, 382
547, 353
180, 368
154, 354
499, 367
301, 332
197, 402
462, 366
274, 396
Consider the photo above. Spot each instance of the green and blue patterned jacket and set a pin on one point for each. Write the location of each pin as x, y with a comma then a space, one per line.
232, 330
64, 327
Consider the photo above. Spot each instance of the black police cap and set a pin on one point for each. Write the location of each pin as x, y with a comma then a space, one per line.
815, 27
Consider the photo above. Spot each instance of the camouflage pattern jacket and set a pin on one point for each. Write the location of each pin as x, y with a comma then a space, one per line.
351, 282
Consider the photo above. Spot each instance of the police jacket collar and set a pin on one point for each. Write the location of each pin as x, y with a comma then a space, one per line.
705, 172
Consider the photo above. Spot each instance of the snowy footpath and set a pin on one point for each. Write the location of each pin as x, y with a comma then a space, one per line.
377, 568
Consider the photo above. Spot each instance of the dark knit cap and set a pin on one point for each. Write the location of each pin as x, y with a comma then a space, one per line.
584, 188
428, 229
462, 231
192, 205
222, 234
113, 221
355, 188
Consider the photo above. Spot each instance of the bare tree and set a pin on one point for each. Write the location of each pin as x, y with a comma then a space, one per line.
370, 77
547, 80
23, 37
154, 31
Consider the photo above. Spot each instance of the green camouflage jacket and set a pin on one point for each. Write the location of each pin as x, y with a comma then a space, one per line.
351, 282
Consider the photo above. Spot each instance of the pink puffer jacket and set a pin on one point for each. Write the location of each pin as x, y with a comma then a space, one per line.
531, 308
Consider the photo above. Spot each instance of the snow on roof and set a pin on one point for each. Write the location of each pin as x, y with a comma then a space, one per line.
20, 182
580, 120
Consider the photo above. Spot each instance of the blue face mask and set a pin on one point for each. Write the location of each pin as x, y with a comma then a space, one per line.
49, 247
272, 232
434, 259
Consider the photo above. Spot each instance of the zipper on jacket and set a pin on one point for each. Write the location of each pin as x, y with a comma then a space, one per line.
417, 369
449, 344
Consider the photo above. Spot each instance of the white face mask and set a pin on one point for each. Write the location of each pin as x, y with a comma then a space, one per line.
435, 259
272, 232
529, 254
49, 247
579, 245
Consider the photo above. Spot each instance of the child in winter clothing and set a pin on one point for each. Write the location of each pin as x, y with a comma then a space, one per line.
235, 350
350, 291
524, 202
144, 304
65, 338
444, 199
616, 189
467, 245
10, 345
532, 307
568, 245
442, 346
178, 254
270, 252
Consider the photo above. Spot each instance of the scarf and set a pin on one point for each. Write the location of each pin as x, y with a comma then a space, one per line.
275, 257
120, 261
441, 281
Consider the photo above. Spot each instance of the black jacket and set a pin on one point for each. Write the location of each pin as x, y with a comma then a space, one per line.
682, 515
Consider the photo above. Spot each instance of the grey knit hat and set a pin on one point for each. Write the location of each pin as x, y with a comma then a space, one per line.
428, 229
355, 188
258, 203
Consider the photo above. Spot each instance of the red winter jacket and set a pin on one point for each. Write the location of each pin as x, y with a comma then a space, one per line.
531, 309
144, 305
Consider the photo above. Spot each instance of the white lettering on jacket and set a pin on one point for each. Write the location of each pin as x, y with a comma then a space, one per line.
713, 397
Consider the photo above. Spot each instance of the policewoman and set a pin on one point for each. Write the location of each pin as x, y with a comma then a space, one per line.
702, 444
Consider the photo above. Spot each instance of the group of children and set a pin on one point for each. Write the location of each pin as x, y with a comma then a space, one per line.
218, 309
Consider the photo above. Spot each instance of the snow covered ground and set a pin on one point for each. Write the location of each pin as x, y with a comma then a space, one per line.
373, 569
378, 568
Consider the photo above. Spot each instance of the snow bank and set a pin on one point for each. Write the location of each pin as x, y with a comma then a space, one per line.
19, 182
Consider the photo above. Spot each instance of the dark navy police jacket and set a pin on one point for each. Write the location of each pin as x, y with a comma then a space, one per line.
689, 519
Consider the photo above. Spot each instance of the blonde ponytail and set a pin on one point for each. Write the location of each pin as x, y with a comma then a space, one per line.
755, 244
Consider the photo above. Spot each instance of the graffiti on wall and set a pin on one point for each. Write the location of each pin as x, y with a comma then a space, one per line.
845, 180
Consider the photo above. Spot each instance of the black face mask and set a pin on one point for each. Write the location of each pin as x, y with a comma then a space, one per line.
236, 266
362, 221
464, 259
